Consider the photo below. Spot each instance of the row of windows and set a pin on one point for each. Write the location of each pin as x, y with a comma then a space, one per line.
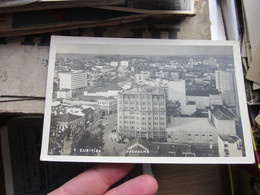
144, 127
143, 96
161, 123
155, 102
149, 120
126, 108
203, 135
192, 139
126, 118
131, 113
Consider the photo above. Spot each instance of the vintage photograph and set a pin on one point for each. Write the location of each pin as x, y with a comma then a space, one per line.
144, 100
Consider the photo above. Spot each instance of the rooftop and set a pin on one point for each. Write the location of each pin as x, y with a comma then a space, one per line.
68, 117
145, 90
162, 146
229, 138
222, 113
104, 89
190, 124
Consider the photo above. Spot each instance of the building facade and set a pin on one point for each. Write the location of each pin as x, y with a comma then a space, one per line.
64, 93
107, 105
69, 121
75, 81
223, 120
192, 131
229, 145
225, 84
142, 113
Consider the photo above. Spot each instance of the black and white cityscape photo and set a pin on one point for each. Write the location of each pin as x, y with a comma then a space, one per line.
162, 103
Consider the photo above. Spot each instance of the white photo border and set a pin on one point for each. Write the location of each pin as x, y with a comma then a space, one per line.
74, 41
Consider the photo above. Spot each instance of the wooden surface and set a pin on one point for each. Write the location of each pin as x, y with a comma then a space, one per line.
192, 179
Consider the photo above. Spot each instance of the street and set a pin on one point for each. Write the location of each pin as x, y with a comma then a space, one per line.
111, 148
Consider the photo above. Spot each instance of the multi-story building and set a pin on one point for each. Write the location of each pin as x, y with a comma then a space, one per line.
202, 130
223, 120
229, 145
204, 100
64, 93
107, 105
75, 81
225, 84
192, 130
173, 108
68, 121
142, 113
177, 92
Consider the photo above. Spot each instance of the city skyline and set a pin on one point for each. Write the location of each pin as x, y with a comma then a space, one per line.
147, 104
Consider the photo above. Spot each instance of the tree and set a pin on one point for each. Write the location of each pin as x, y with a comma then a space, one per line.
87, 140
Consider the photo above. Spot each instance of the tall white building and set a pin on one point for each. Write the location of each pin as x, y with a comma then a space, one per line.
141, 113
225, 84
177, 92
75, 81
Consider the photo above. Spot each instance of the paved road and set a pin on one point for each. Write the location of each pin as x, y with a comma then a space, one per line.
111, 148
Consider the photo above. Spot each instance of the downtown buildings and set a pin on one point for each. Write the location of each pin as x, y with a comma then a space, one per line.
142, 113
174, 104
74, 81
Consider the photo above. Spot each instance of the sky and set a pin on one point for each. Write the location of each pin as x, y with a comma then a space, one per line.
147, 47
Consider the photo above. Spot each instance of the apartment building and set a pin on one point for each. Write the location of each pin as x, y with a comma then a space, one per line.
75, 81
142, 113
